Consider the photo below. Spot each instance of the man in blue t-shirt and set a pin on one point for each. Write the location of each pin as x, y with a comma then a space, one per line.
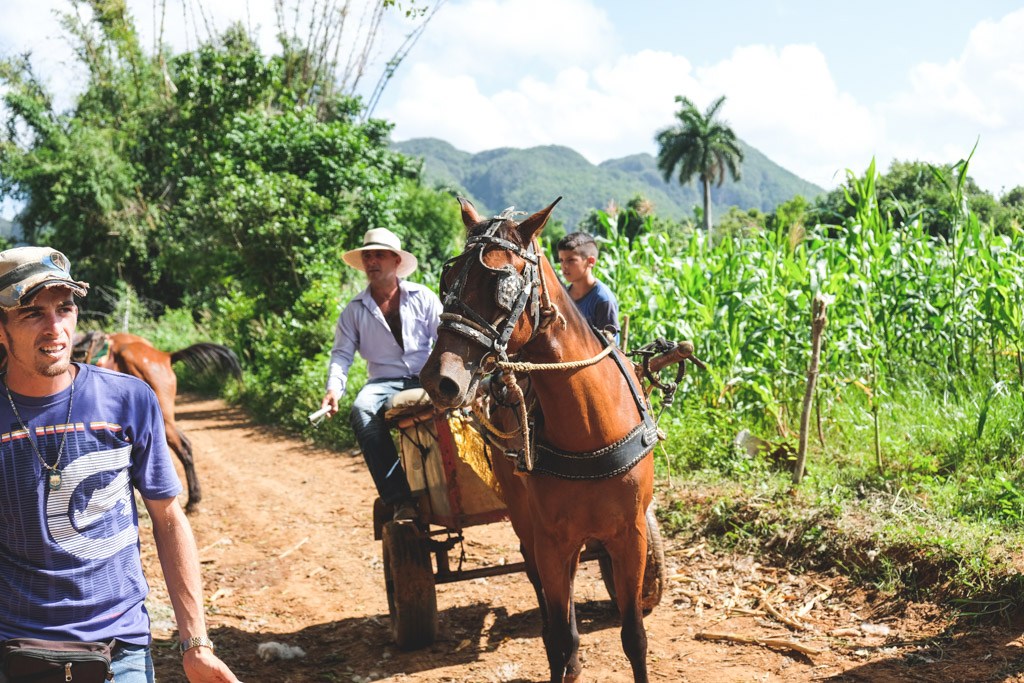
577, 254
76, 442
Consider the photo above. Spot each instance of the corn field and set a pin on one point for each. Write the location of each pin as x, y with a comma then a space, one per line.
907, 310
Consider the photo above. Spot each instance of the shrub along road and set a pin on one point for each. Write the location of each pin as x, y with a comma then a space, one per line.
288, 556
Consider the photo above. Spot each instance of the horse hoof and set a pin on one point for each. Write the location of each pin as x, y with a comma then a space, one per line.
191, 509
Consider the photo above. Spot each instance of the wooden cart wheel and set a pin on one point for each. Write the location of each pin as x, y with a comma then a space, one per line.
655, 572
409, 581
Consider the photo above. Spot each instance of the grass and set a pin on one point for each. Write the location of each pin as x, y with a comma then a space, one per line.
940, 521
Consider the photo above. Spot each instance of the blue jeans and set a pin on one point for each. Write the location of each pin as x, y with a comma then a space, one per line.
132, 664
375, 440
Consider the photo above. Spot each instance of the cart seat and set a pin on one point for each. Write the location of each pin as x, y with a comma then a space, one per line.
407, 402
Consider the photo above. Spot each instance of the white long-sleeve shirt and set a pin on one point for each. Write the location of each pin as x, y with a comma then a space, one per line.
361, 327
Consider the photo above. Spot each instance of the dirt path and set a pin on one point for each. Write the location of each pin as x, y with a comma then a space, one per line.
286, 541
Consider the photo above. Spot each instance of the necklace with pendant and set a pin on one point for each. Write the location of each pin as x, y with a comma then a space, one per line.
53, 477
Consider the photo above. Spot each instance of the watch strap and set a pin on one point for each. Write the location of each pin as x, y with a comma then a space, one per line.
196, 641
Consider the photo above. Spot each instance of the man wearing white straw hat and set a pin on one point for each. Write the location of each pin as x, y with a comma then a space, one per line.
393, 325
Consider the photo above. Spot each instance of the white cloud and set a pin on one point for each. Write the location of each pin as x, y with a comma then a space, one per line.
609, 111
977, 96
544, 88
22, 31
785, 103
487, 37
493, 73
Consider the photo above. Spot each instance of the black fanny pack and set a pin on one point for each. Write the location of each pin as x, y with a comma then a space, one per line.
29, 660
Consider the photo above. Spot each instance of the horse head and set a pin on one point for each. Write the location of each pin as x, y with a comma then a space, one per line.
85, 344
494, 302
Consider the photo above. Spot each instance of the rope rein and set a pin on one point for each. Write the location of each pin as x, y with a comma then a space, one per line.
524, 366
481, 411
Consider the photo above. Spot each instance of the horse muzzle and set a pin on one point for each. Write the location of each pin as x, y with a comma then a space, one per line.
449, 381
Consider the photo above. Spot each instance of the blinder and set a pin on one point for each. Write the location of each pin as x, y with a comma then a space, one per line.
514, 293
510, 284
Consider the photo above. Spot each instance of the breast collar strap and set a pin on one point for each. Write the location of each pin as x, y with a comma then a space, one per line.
612, 459
461, 319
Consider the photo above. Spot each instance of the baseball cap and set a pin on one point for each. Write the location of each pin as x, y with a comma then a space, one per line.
25, 271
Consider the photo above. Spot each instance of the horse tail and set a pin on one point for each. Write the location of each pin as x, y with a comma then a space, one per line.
205, 357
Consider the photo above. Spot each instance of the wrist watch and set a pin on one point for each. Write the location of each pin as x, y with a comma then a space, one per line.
196, 641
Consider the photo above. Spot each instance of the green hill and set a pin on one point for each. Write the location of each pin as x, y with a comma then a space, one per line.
530, 179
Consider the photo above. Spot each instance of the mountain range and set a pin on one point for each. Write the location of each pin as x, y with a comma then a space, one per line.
530, 179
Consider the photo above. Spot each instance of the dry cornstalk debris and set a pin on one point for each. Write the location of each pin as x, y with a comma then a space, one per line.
779, 616
847, 632
809, 605
221, 592
295, 547
683, 577
777, 643
689, 552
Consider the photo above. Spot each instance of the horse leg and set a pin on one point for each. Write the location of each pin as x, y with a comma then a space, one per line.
534, 577
629, 559
514, 496
557, 570
182, 447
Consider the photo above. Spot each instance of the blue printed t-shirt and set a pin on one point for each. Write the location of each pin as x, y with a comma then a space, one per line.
70, 567
600, 308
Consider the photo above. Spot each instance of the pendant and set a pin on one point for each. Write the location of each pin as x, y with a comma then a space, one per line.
53, 480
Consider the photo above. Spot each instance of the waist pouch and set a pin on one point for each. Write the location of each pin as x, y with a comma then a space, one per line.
28, 660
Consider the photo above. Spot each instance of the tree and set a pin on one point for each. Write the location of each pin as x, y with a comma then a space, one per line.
194, 176
1010, 212
699, 145
915, 192
634, 219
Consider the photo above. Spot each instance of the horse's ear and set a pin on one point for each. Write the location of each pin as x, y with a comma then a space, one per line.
532, 226
469, 215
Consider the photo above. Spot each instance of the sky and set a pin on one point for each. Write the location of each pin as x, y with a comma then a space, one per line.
819, 86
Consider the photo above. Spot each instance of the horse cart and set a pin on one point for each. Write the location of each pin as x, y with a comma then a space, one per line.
449, 473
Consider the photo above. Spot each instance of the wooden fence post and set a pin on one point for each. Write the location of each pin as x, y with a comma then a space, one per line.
818, 322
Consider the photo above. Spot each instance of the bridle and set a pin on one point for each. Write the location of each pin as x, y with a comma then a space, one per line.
515, 293
85, 351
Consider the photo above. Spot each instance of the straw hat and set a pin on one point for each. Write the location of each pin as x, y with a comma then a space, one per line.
381, 238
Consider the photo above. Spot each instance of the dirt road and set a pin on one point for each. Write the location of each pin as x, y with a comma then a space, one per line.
286, 543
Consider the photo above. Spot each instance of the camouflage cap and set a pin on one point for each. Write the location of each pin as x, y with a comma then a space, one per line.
25, 271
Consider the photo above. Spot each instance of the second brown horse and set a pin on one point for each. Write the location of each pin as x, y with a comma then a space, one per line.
134, 355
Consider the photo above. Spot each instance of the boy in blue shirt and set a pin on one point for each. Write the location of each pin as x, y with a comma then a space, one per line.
577, 254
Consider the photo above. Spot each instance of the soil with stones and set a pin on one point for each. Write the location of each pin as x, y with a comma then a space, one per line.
286, 543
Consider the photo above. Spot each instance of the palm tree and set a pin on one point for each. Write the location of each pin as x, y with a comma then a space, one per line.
701, 145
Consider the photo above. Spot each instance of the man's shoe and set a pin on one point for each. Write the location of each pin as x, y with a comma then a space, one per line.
406, 511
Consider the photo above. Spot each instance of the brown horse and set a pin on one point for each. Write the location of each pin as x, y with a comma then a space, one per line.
137, 356
586, 473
